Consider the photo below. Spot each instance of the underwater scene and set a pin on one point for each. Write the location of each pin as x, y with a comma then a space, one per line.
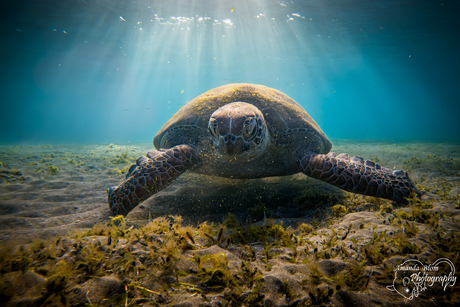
229, 153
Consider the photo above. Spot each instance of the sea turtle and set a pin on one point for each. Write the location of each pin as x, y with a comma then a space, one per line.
249, 131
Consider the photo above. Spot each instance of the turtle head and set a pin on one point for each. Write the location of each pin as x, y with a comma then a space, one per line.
238, 129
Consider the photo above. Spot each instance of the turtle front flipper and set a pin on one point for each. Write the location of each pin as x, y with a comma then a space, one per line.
357, 175
150, 175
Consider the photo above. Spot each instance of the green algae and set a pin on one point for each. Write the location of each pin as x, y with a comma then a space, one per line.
116, 252
165, 236
339, 210
319, 296
354, 278
266, 247
52, 169
11, 176
386, 208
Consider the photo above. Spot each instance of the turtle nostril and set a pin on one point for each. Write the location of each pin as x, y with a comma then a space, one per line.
229, 138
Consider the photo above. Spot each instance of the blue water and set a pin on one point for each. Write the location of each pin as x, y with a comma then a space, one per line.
114, 71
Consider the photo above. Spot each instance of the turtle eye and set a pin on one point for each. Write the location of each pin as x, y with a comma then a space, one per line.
213, 128
249, 128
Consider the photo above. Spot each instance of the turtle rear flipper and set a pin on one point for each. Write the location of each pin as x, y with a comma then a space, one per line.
358, 175
149, 176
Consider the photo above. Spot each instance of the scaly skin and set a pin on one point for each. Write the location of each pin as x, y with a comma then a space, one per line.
150, 175
246, 129
358, 176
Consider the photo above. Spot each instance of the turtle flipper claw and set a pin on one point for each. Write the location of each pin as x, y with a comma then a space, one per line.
150, 175
354, 174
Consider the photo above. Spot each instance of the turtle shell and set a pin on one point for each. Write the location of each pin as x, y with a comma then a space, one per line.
284, 117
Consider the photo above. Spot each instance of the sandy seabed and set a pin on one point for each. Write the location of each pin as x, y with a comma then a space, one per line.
206, 241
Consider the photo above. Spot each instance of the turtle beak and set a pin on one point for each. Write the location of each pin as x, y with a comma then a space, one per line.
229, 144
231, 149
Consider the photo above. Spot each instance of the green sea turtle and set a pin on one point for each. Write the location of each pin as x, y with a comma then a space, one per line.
249, 131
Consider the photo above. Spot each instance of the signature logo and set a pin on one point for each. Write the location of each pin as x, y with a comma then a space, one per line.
413, 277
